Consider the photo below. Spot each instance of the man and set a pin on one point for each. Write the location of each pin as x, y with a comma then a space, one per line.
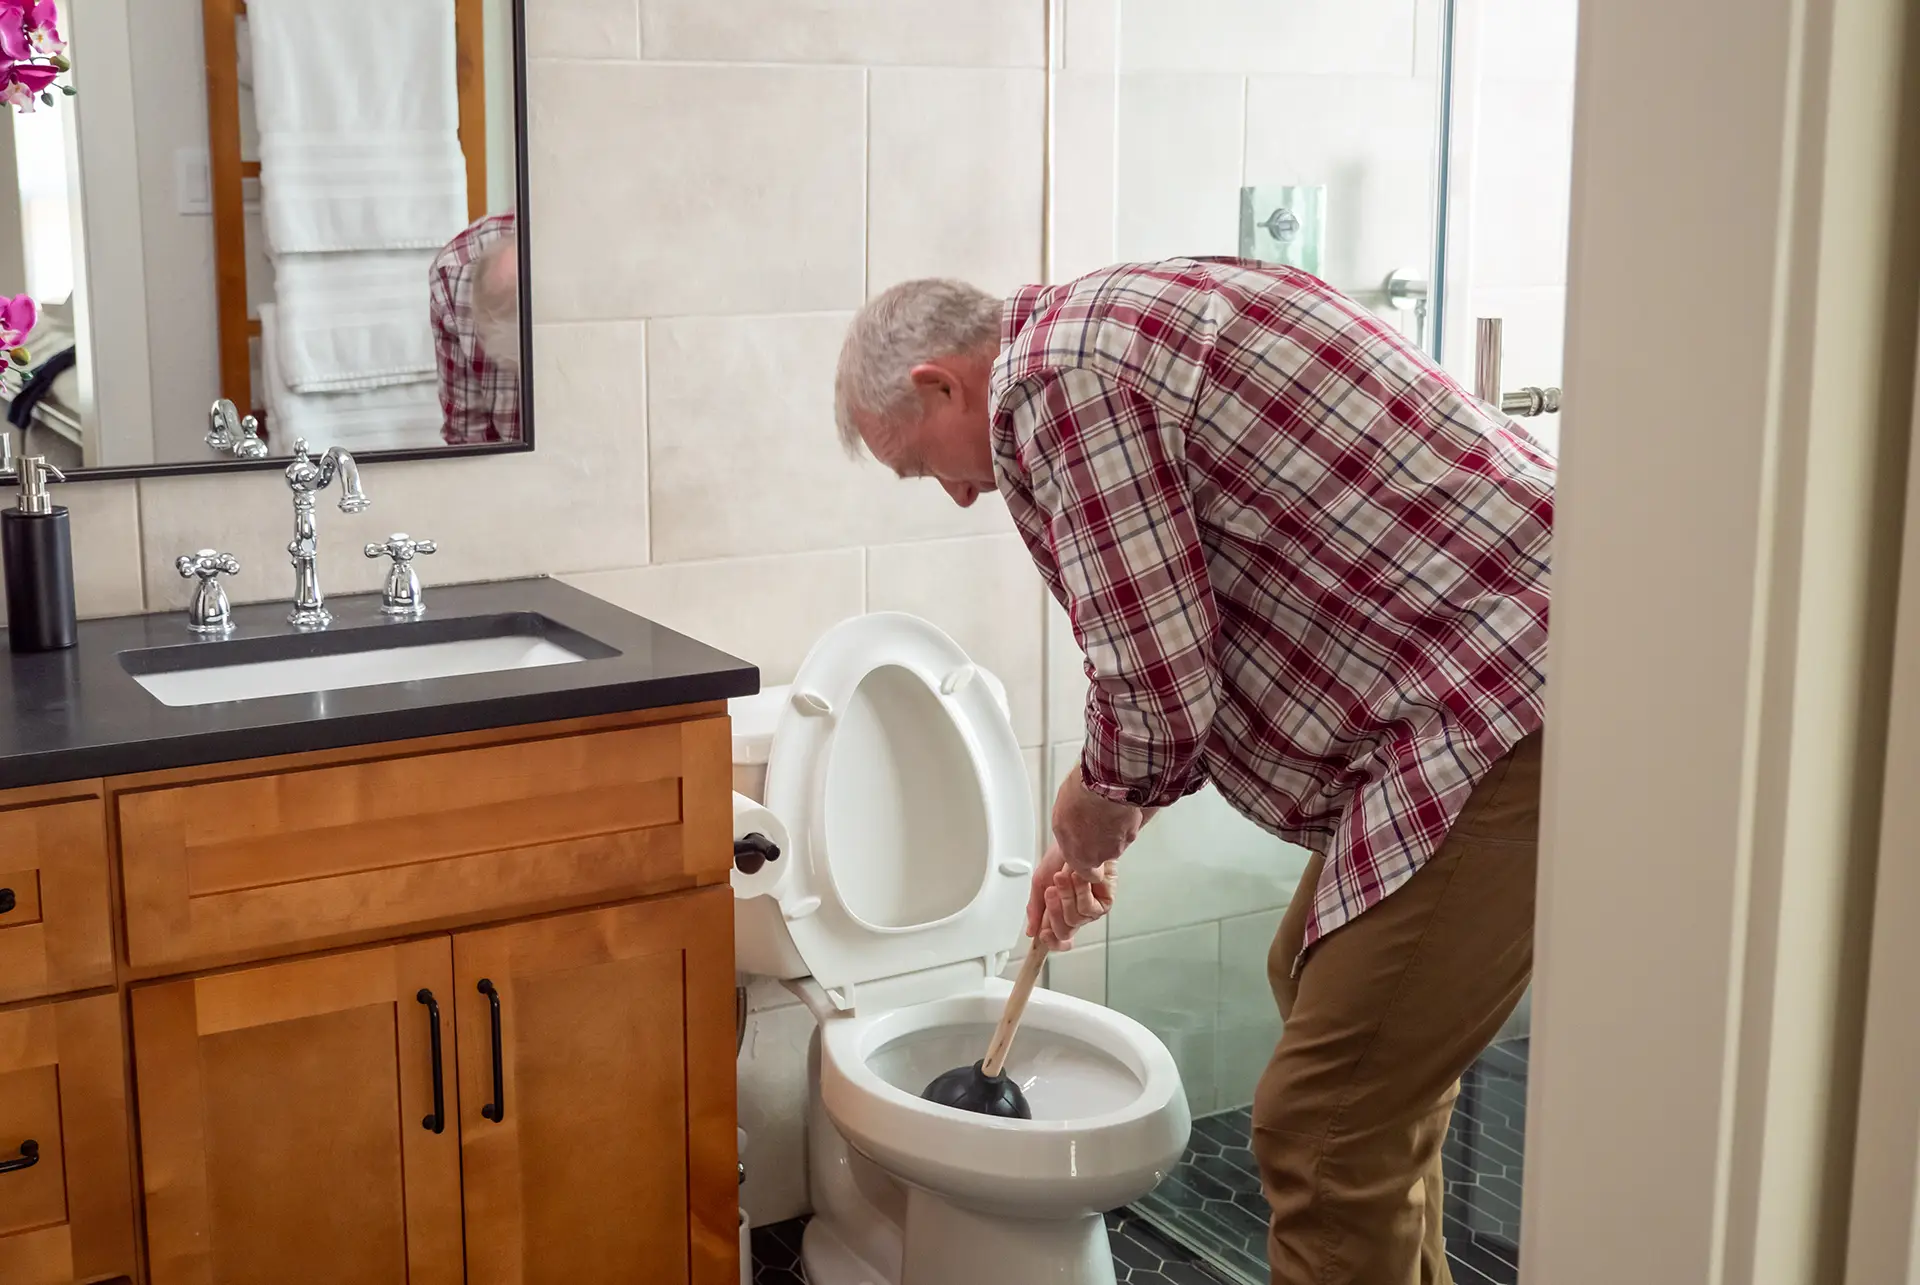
474, 296
1305, 566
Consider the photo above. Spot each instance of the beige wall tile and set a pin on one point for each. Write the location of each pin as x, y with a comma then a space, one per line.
1249, 1021
1322, 36
956, 178
1090, 35
104, 520
985, 33
1066, 679
1179, 164
1080, 972
578, 502
1085, 141
745, 458
1371, 142
671, 191
583, 28
986, 594
1170, 984
769, 610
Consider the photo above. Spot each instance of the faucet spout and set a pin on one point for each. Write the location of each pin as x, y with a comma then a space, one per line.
352, 498
306, 478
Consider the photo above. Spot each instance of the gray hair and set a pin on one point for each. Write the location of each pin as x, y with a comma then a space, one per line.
906, 325
495, 301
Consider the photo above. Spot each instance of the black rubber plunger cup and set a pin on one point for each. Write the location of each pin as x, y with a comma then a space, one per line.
984, 1087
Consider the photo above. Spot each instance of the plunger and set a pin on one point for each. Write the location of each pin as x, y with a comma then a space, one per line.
984, 1086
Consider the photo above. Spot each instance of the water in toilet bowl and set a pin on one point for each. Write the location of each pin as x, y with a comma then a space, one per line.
1063, 1078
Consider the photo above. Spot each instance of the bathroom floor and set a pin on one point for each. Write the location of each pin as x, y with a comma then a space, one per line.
1214, 1197
1141, 1255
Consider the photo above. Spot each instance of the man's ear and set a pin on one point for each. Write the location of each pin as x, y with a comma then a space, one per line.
929, 378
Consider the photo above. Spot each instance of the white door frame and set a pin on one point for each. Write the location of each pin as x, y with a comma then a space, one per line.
1728, 513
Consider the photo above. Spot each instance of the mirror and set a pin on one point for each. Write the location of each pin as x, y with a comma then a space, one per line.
307, 209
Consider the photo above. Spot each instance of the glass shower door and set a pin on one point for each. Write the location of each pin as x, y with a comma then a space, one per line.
1331, 137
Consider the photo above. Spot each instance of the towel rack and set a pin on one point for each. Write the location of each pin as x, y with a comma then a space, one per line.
227, 170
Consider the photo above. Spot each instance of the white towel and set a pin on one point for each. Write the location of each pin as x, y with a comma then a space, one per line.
358, 108
397, 417
354, 321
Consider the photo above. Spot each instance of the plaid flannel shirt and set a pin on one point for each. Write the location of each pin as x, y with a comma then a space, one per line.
1301, 562
479, 397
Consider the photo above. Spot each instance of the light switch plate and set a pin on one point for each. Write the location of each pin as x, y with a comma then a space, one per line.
193, 181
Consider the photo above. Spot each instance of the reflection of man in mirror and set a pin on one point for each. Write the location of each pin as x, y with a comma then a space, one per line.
474, 287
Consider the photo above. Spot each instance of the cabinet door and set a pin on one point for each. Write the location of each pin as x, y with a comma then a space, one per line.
612, 1157
66, 1200
54, 931
285, 1122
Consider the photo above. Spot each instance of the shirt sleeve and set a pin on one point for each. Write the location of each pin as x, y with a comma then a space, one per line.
1110, 481
457, 403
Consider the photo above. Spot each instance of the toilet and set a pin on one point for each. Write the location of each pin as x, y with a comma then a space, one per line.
888, 780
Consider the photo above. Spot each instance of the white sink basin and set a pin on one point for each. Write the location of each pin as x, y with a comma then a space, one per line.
215, 683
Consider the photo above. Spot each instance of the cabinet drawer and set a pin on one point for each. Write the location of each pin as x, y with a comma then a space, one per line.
53, 874
219, 870
68, 1215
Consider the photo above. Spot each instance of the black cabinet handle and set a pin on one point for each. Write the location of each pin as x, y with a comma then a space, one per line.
495, 1110
436, 1122
7, 900
29, 1157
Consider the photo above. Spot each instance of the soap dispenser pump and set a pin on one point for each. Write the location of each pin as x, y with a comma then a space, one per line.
36, 544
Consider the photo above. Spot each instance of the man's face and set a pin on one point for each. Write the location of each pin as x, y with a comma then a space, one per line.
951, 441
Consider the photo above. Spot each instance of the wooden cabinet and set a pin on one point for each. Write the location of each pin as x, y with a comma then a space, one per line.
616, 1049
66, 1189
55, 935
286, 1104
285, 1122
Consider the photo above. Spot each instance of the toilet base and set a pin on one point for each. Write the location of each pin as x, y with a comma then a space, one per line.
829, 1260
948, 1245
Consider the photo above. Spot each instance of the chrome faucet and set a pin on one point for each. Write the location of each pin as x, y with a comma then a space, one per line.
228, 434
307, 478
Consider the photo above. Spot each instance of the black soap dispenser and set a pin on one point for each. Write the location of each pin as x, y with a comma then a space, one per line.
36, 544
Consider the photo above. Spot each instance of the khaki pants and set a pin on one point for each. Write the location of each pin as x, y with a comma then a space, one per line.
1386, 1015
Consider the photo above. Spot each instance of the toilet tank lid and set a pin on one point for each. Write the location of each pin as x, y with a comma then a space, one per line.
755, 717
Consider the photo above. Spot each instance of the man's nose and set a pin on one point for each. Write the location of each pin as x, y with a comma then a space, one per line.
962, 493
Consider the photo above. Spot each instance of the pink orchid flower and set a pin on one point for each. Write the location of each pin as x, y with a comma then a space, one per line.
33, 76
18, 316
43, 29
16, 95
15, 45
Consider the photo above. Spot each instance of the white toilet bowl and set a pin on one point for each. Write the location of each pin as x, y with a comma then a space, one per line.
903, 813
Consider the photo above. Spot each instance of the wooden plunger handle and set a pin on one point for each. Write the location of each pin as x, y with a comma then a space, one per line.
1016, 1005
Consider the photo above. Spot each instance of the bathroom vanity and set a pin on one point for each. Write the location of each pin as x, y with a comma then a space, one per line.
427, 980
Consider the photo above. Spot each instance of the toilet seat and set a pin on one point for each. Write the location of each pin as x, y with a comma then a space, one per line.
908, 810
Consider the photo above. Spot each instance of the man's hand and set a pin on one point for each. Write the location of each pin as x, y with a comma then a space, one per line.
1091, 831
1063, 902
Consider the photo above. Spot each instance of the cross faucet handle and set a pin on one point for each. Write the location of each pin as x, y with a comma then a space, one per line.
399, 546
207, 564
209, 612
402, 594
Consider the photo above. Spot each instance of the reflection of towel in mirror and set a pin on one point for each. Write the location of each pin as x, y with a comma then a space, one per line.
39, 385
358, 108
352, 321
396, 417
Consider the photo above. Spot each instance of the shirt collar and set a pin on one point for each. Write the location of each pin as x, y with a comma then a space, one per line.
1018, 312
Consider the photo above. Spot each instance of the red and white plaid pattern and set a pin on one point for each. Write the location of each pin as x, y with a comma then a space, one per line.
1302, 562
479, 397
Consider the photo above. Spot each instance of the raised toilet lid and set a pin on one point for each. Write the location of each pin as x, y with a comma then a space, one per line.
907, 807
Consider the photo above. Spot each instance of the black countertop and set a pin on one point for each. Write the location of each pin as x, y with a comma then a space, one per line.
80, 713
